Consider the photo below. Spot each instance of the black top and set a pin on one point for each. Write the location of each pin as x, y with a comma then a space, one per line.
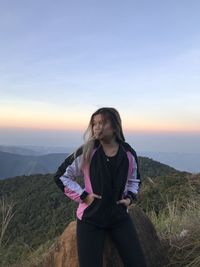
111, 164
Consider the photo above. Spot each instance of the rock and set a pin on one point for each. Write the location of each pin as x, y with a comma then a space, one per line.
64, 252
154, 252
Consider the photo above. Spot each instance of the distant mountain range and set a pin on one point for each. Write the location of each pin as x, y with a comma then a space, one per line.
35, 150
189, 162
12, 165
16, 161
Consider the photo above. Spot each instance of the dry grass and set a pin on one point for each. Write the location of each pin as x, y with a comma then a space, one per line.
6, 215
31, 258
180, 229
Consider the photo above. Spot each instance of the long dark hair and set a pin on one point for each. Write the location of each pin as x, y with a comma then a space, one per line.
110, 114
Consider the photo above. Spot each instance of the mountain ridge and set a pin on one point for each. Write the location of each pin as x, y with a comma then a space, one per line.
182, 161
12, 165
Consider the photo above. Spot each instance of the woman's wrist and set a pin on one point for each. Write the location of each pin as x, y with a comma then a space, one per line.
130, 199
84, 195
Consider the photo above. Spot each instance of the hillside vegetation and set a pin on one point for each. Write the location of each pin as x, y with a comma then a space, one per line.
41, 212
177, 222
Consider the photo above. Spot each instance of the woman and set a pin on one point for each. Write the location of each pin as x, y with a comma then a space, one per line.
109, 168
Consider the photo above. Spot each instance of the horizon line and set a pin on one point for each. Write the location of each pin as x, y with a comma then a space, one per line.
125, 129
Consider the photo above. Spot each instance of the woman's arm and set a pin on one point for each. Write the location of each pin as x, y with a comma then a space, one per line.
66, 175
61, 170
133, 181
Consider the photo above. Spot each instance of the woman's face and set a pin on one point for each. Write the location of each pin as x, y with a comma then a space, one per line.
102, 128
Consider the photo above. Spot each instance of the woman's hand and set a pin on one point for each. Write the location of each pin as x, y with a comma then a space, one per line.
126, 202
90, 198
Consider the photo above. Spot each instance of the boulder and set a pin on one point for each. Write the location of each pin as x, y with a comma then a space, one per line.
64, 252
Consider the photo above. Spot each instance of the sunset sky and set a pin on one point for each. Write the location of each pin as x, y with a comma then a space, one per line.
61, 60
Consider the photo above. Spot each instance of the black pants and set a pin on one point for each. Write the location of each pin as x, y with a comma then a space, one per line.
90, 242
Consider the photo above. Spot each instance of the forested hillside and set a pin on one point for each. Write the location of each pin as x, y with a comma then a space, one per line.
41, 211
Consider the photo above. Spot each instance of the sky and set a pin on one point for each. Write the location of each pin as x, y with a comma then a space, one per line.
62, 60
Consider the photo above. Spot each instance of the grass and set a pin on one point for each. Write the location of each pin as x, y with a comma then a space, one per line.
178, 226
24, 256
6, 215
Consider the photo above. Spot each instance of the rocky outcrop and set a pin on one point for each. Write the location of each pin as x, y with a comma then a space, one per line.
64, 252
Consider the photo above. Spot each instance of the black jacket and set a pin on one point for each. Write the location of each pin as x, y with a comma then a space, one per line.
112, 183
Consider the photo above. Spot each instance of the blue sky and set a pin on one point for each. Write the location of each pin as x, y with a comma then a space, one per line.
62, 60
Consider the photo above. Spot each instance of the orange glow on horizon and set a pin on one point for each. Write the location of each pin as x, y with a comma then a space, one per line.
46, 119
82, 126
159, 125
51, 119
43, 125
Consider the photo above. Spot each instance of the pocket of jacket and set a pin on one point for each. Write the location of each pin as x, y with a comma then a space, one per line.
91, 204
122, 207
